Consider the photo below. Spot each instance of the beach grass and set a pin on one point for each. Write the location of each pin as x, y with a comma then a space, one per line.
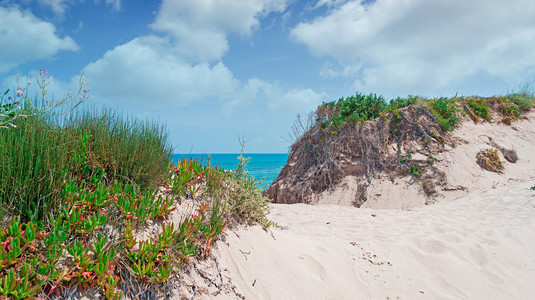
78, 187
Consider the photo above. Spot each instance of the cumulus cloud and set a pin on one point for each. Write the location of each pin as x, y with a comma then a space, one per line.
145, 71
178, 75
401, 45
273, 97
200, 27
29, 39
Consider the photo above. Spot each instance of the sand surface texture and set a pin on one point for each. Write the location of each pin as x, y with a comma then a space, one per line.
475, 241
481, 246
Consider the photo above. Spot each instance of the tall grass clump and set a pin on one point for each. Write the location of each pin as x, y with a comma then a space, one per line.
523, 101
33, 158
45, 142
127, 149
34, 151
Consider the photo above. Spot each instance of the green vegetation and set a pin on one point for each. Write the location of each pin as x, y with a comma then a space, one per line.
477, 107
359, 108
124, 148
445, 110
523, 101
78, 187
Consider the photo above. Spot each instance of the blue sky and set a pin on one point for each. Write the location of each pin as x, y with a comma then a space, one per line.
214, 70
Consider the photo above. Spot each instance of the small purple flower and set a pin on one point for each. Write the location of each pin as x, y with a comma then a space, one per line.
9, 98
19, 92
29, 82
86, 90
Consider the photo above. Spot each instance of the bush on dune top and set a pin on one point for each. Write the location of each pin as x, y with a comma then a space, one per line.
360, 108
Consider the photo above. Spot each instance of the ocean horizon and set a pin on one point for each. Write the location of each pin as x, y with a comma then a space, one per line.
266, 166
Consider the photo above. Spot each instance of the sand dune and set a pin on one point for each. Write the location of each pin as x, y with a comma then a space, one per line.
476, 242
481, 246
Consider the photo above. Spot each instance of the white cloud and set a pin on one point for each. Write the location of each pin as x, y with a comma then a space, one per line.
145, 71
190, 88
339, 70
329, 3
402, 45
297, 100
274, 98
57, 6
148, 79
29, 39
200, 27
115, 4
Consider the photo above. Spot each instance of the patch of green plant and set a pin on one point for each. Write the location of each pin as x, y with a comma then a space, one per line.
509, 110
396, 119
479, 107
398, 103
354, 109
353, 119
445, 110
523, 101
405, 159
240, 193
126, 149
75, 212
415, 171
33, 158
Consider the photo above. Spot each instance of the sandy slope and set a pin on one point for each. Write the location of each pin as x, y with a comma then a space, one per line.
477, 242
463, 175
481, 246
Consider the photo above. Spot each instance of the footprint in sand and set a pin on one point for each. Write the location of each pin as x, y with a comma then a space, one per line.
316, 267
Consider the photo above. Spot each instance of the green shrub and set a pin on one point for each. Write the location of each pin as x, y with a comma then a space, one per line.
240, 194
524, 101
445, 110
509, 110
353, 119
396, 119
398, 103
479, 107
355, 108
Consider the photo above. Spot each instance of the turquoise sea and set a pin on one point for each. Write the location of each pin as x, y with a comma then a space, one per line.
260, 166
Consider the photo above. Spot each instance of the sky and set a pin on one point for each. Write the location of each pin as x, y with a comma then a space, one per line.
216, 70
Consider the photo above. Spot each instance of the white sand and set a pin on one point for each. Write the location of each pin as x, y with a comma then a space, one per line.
481, 246
475, 243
